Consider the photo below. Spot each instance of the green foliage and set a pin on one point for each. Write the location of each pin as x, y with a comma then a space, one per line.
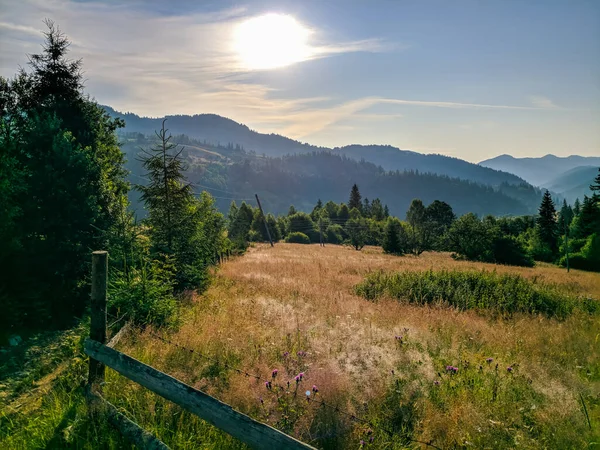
587, 221
395, 238
145, 295
484, 240
302, 223
500, 293
420, 228
546, 226
297, 237
334, 234
586, 254
357, 230
239, 224
355, 200
64, 150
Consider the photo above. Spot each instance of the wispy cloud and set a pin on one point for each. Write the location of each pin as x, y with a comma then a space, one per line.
141, 61
542, 102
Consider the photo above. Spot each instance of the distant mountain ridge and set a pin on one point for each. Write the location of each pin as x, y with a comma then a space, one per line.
540, 171
216, 130
574, 183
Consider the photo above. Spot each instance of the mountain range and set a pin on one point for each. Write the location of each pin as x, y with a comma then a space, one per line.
216, 130
541, 171
228, 156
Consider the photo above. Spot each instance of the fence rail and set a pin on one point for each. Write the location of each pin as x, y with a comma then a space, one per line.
256, 434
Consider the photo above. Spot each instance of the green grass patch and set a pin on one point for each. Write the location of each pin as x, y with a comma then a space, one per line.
479, 290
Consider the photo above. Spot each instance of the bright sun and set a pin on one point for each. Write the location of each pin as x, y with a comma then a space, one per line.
271, 41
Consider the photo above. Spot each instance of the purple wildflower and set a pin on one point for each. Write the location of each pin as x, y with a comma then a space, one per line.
268, 385
371, 439
436, 382
489, 360
369, 432
451, 369
301, 353
315, 389
362, 443
509, 368
297, 378
274, 373
286, 354
301, 375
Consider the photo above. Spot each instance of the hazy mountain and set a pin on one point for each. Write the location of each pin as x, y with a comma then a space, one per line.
392, 158
574, 183
216, 130
538, 171
230, 173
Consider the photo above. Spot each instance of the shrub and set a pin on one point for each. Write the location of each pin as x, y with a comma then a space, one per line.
297, 238
334, 234
145, 295
506, 293
508, 250
588, 258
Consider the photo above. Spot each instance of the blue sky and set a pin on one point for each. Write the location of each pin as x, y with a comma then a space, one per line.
471, 79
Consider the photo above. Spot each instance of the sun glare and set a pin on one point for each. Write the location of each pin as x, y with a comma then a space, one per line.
271, 41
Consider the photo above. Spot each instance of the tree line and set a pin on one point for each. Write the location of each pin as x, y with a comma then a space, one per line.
518, 240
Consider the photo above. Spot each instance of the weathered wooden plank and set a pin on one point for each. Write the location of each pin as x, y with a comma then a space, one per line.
119, 335
98, 312
139, 437
255, 434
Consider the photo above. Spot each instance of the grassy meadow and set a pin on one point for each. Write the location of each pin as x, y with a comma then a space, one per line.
420, 372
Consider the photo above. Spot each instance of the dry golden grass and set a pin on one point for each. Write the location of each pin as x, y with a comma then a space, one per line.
294, 298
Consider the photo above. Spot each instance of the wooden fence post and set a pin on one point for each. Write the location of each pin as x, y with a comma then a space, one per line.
98, 313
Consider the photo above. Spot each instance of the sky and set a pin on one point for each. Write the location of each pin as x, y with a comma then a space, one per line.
470, 79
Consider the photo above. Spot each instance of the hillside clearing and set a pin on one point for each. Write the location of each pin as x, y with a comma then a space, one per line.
272, 303
295, 298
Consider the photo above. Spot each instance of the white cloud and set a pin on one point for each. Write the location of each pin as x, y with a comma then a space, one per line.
140, 61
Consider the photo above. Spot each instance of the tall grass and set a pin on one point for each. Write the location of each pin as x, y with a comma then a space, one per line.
481, 290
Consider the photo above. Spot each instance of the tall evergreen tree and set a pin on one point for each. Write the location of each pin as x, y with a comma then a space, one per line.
355, 200
546, 223
576, 207
366, 208
588, 220
377, 211
168, 197
64, 149
565, 217
595, 188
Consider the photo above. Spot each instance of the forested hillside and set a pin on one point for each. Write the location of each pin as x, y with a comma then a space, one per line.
215, 130
230, 172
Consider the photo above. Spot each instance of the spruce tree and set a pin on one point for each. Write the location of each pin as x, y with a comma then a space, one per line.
595, 188
355, 200
576, 207
588, 220
565, 217
546, 223
391, 236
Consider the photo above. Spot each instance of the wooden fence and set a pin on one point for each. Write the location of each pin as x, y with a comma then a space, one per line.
253, 433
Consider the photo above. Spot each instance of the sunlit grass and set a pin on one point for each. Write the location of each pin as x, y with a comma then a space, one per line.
270, 304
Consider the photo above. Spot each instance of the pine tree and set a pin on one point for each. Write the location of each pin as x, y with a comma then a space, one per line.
167, 196
546, 223
386, 211
595, 188
576, 207
366, 208
291, 211
565, 217
64, 149
391, 236
588, 220
355, 200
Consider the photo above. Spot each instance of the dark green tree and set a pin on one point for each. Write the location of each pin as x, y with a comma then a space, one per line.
343, 214
565, 217
588, 220
366, 208
377, 211
546, 226
168, 197
66, 200
355, 200
576, 207
357, 230
394, 237
291, 211
420, 229
386, 211
595, 188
